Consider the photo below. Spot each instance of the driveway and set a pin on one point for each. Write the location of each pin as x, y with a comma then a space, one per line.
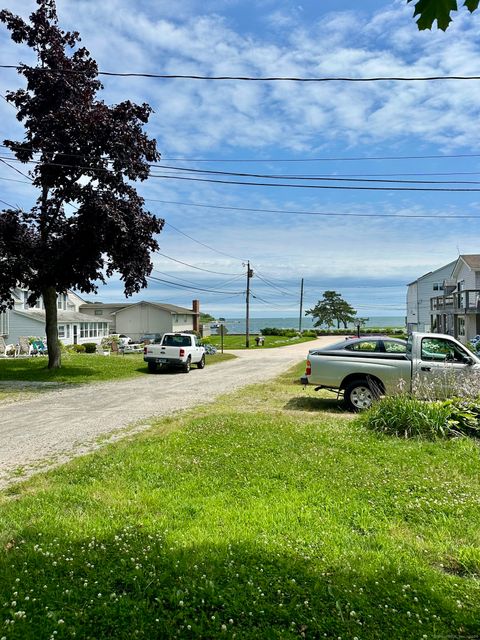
58, 425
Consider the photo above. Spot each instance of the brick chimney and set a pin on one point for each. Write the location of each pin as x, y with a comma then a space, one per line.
196, 317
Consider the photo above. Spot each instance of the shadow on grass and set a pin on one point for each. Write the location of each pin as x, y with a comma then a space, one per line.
135, 584
307, 403
38, 371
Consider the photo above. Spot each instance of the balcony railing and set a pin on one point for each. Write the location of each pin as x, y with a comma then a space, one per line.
466, 301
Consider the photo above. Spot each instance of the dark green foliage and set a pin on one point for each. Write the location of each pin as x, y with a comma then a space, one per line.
87, 158
464, 418
331, 309
429, 11
405, 416
90, 347
272, 331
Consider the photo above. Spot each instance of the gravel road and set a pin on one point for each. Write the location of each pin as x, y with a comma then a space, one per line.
58, 425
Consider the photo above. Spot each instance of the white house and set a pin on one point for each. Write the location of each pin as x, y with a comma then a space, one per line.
73, 326
419, 294
80, 321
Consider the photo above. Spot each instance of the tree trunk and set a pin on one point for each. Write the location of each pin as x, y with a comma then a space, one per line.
51, 329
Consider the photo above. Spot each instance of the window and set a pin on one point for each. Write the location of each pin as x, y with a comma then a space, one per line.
365, 345
461, 326
438, 286
442, 350
64, 331
3, 324
62, 301
394, 347
99, 312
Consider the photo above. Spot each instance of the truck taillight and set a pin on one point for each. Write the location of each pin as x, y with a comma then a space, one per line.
308, 370
144, 351
182, 353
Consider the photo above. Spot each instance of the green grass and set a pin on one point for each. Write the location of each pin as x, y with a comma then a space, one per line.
81, 368
238, 341
256, 517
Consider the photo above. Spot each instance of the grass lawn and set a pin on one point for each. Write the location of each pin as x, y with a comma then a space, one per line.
238, 341
81, 367
269, 514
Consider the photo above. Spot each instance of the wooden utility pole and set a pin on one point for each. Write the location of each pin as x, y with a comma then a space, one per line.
247, 319
301, 308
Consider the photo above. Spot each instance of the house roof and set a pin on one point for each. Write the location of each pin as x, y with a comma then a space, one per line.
472, 260
430, 273
170, 308
38, 315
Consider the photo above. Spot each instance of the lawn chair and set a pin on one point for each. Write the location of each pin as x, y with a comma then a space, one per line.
3, 348
38, 348
24, 348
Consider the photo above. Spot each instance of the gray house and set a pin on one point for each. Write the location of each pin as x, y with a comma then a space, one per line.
137, 319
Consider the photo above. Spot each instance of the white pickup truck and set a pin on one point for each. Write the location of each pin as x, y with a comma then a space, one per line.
175, 350
365, 368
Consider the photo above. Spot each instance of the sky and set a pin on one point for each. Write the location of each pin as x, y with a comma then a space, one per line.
366, 243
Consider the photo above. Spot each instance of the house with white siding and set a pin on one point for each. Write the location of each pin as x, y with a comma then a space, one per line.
80, 321
419, 294
73, 326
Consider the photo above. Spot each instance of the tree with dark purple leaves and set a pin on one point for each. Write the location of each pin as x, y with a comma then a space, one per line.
88, 221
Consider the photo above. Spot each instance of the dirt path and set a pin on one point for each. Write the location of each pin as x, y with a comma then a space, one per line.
61, 424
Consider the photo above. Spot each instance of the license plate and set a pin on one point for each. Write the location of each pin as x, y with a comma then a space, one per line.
161, 360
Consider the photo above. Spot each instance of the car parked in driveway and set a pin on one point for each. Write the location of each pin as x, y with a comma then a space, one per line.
151, 338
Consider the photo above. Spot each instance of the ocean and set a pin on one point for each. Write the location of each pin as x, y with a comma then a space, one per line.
237, 325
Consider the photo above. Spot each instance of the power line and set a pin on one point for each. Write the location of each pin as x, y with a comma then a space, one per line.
311, 213
220, 273
273, 286
163, 76
269, 177
312, 186
319, 159
191, 288
309, 177
204, 245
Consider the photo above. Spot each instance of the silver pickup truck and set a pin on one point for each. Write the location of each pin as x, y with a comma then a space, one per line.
365, 368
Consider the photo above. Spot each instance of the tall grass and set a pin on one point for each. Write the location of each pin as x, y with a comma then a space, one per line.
405, 416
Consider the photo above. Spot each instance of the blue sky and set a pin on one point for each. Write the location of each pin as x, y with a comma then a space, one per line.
372, 245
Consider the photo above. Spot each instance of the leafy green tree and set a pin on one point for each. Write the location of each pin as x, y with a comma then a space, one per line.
430, 10
331, 309
87, 155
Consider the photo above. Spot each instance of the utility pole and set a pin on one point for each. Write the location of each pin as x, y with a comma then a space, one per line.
301, 309
247, 319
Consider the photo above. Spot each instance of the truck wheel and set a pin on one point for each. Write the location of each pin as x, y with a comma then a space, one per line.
359, 396
201, 364
152, 367
186, 366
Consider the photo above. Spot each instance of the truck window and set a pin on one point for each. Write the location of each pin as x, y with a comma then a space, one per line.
440, 349
394, 347
365, 345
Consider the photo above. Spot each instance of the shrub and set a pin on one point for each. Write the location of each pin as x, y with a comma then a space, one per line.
464, 418
78, 348
405, 416
273, 331
90, 347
